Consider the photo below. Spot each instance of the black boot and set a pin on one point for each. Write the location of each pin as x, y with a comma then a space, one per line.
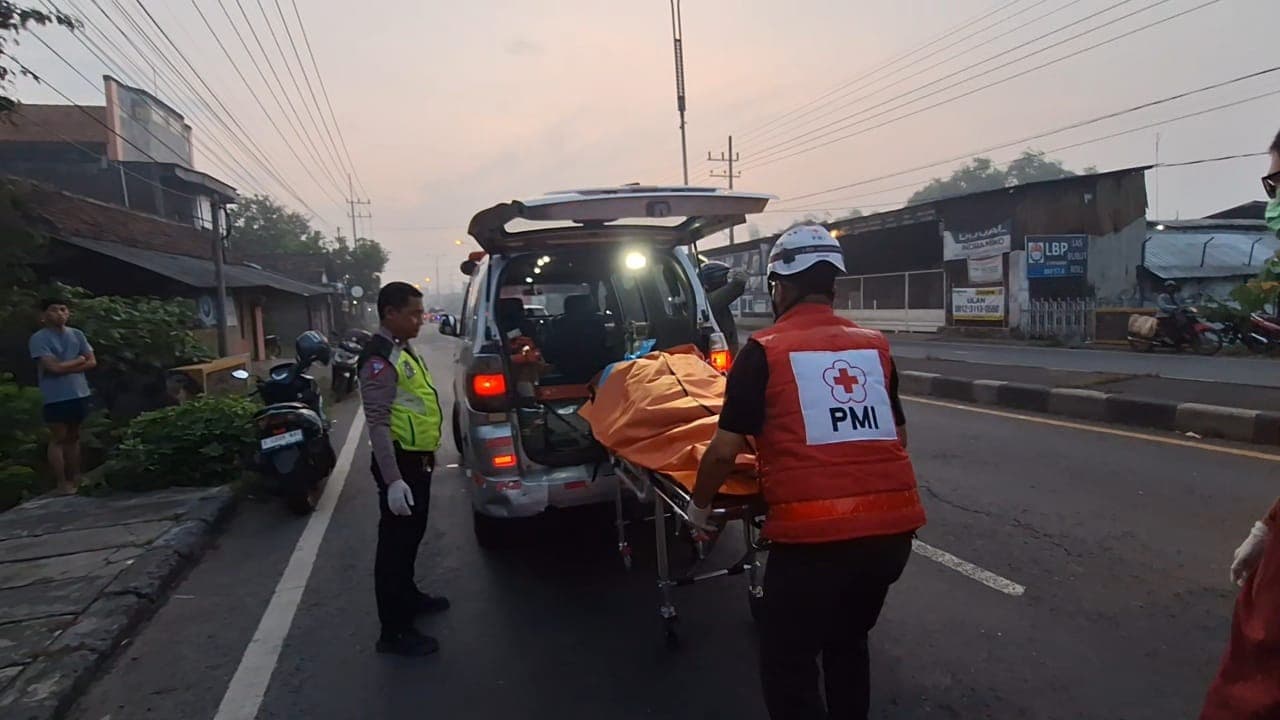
408, 643
425, 604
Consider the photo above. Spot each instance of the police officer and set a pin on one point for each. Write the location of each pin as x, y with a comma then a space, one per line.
819, 394
403, 414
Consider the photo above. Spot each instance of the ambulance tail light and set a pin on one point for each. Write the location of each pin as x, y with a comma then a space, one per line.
719, 357
487, 385
501, 452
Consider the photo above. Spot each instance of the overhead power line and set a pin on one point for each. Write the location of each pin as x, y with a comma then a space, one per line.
842, 123
799, 114
1071, 126
1060, 148
94, 154
325, 92
751, 132
302, 68
239, 73
834, 108
987, 86
239, 171
339, 170
239, 136
291, 115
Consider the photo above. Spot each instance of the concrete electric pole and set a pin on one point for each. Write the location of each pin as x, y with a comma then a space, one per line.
677, 38
220, 276
730, 158
353, 202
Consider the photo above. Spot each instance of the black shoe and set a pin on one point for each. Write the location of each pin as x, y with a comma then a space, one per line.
429, 604
409, 643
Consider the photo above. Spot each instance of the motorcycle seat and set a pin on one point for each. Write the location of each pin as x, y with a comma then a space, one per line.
276, 407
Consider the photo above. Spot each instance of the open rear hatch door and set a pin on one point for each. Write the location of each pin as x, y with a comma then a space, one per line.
659, 216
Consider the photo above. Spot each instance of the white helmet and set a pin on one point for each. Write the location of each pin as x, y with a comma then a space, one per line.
802, 247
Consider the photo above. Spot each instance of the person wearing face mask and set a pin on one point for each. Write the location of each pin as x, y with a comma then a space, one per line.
820, 396
1247, 686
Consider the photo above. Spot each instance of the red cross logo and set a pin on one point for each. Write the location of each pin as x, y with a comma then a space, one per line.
847, 382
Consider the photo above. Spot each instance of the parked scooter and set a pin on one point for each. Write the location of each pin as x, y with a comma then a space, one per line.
345, 358
293, 450
1258, 333
1147, 333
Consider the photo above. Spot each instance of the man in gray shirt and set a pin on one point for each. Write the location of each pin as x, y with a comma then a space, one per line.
63, 355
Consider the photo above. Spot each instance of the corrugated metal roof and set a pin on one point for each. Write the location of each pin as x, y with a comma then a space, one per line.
196, 272
1172, 254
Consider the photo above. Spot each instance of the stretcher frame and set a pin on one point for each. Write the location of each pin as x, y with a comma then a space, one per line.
669, 496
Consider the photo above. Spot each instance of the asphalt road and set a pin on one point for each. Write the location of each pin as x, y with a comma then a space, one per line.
1178, 366
1122, 544
1114, 361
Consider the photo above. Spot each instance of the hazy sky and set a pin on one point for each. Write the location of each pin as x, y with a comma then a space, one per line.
449, 107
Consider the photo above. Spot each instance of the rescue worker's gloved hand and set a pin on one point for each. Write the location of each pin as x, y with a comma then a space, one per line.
400, 498
699, 518
1248, 554
738, 275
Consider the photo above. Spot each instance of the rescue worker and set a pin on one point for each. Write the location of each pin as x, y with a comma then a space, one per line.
1171, 313
403, 414
723, 285
819, 395
1246, 686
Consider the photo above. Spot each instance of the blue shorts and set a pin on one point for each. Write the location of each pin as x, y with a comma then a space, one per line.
66, 412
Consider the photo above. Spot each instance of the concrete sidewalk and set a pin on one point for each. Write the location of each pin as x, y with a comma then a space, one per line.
78, 575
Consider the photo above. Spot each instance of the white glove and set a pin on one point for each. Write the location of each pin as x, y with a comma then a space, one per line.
739, 275
699, 518
400, 498
1248, 554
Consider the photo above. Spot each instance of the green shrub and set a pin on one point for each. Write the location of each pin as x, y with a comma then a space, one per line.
198, 443
22, 438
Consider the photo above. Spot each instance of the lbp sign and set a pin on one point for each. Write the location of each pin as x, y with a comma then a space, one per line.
1057, 255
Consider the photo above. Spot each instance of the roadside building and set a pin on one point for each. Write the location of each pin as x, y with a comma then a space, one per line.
1207, 257
109, 250
980, 261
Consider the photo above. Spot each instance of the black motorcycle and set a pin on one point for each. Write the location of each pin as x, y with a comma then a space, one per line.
293, 452
345, 358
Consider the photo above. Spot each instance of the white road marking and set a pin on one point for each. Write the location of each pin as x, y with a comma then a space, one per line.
1225, 449
249, 685
968, 569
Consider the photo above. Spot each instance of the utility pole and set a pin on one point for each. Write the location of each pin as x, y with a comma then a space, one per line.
220, 278
677, 38
730, 158
353, 202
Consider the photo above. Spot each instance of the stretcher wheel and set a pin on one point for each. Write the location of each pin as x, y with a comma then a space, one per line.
757, 607
672, 640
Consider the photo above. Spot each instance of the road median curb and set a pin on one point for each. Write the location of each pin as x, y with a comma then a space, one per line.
1218, 421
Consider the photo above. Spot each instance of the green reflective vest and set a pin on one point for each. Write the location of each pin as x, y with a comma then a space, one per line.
415, 415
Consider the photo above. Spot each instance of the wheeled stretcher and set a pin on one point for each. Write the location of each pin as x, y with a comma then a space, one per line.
671, 500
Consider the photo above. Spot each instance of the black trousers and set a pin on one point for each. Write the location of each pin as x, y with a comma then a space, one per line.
398, 540
823, 599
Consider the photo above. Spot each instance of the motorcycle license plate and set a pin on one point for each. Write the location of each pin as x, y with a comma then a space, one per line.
293, 437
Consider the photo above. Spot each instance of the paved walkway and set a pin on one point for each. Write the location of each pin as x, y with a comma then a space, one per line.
77, 574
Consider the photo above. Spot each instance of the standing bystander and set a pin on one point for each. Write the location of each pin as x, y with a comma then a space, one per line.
62, 355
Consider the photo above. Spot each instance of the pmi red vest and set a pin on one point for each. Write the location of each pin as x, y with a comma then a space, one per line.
831, 466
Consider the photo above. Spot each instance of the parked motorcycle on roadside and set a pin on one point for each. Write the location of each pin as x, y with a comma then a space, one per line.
1258, 333
1147, 333
293, 451
345, 359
